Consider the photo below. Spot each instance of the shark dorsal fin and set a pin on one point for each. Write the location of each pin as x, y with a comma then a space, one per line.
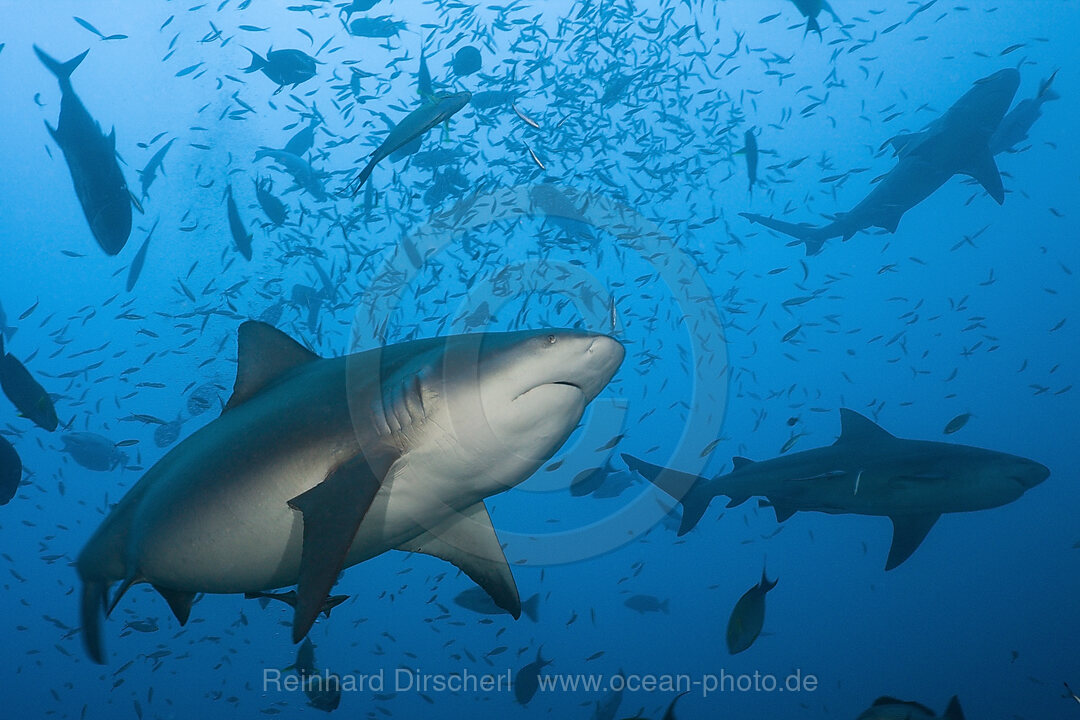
855, 428
738, 462
265, 354
886, 700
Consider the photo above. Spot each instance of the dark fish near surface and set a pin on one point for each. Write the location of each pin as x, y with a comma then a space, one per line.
323, 692
10, 471
1013, 128
204, 398
750, 150
889, 708
284, 67
477, 600
527, 680
747, 618
377, 27
646, 603
271, 206
24, 392
414, 125
149, 173
92, 451
140, 260
810, 10
354, 7
91, 158
466, 61
305, 659
167, 433
236, 226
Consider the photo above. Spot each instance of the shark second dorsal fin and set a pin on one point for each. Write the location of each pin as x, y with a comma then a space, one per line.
265, 354
738, 462
468, 541
857, 428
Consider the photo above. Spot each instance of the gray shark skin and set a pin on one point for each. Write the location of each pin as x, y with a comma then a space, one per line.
867, 471
957, 143
317, 464
91, 158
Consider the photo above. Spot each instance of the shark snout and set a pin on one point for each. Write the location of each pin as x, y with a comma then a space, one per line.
1031, 474
603, 356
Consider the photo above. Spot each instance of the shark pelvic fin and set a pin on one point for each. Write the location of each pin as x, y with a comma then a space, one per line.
332, 513
857, 428
985, 171
265, 354
904, 143
468, 541
908, 533
179, 602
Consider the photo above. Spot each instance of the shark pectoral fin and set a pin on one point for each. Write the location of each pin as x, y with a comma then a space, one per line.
468, 542
264, 355
985, 171
179, 602
332, 513
908, 533
95, 594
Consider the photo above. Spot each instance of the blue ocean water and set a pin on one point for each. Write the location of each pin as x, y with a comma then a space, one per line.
602, 191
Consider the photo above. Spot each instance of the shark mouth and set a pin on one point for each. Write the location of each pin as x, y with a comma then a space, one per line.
564, 383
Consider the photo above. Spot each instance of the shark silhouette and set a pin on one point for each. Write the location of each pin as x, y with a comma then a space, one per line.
957, 143
867, 471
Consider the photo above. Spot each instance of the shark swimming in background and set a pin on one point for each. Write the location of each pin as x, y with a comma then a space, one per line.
91, 158
957, 143
810, 10
317, 464
867, 471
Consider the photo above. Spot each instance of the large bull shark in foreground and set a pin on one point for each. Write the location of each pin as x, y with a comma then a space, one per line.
958, 142
91, 158
867, 471
319, 464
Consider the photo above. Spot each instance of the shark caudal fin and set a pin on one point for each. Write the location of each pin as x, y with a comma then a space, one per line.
693, 492
62, 70
813, 237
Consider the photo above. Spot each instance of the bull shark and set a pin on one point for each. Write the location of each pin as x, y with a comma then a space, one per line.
867, 471
317, 464
958, 142
91, 158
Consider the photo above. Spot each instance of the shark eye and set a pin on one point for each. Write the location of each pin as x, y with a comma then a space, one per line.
551, 339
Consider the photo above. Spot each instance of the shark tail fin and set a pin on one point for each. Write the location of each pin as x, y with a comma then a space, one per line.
813, 237
953, 712
92, 609
812, 24
62, 70
693, 492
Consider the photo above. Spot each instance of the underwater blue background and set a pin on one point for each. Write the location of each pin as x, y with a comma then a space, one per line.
911, 329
